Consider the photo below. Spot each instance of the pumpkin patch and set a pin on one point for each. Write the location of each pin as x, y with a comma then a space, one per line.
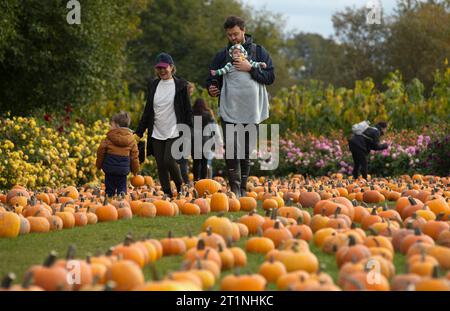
282, 236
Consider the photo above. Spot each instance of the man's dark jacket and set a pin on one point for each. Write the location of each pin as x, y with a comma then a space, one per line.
263, 76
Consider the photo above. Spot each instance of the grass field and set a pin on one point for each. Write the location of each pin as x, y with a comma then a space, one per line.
17, 255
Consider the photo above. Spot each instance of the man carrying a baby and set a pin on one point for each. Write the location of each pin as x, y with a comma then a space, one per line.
238, 76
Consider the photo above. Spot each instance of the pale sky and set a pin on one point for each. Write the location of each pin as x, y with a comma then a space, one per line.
313, 15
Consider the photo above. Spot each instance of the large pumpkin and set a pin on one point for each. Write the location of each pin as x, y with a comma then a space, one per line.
106, 212
219, 225
137, 181
9, 225
248, 204
309, 198
126, 274
219, 202
164, 208
49, 276
207, 185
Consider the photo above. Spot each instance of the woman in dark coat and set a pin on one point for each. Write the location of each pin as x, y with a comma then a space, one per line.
168, 104
200, 166
361, 145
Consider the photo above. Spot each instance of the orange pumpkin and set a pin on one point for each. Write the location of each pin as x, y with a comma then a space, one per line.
106, 212
137, 181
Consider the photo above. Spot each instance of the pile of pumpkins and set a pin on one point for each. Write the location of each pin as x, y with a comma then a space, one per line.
331, 213
23, 212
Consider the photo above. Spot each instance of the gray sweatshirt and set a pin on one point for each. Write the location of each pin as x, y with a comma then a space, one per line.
242, 99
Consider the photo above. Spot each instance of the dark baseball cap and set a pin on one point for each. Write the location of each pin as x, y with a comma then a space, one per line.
163, 60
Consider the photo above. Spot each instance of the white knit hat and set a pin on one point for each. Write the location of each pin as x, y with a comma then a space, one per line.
240, 47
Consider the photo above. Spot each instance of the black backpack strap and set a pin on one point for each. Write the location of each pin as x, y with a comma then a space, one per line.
253, 52
227, 56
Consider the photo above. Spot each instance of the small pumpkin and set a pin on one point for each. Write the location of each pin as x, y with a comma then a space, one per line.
272, 270
172, 246
126, 274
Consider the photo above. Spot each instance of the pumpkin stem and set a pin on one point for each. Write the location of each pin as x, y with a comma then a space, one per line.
205, 256
27, 280
109, 252
95, 280
337, 211
50, 259
8, 280
71, 252
275, 213
277, 224
198, 263
259, 231
201, 244
435, 274
351, 240
376, 241
220, 246
128, 240
412, 201
154, 271
109, 286
229, 242
417, 231
372, 231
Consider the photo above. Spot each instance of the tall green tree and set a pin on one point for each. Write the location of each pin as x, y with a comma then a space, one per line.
192, 32
419, 40
189, 30
363, 44
414, 40
314, 57
44, 61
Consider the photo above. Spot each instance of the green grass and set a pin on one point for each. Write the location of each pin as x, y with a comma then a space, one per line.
17, 255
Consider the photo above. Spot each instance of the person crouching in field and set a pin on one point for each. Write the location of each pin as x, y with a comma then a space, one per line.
364, 139
118, 154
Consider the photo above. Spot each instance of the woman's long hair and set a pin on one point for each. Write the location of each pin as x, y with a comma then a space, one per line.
200, 106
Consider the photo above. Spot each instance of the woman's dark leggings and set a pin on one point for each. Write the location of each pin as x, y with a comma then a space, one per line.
360, 162
200, 168
166, 164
